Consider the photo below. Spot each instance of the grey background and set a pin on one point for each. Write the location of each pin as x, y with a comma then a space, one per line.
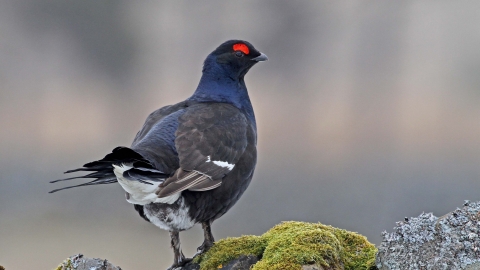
367, 112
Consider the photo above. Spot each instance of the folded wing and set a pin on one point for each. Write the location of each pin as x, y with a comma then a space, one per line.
210, 139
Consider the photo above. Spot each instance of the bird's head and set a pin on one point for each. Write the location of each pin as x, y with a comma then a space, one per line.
234, 57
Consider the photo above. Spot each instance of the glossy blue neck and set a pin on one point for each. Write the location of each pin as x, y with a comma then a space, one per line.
218, 85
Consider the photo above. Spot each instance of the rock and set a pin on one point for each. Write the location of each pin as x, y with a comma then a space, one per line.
78, 262
244, 262
429, 242
289, 245
190, 266
292, 245
312, 267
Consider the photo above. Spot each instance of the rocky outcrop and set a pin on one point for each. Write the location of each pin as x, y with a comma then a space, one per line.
246, 262
79, 262
429, 242
289, 245
424, 242
292, 245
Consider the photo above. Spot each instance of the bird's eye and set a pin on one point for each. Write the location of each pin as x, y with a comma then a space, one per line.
239, 54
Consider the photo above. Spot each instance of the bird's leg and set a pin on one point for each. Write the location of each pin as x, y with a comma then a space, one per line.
179, 258
208, 241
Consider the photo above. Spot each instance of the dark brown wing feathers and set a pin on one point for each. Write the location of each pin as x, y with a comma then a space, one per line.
209, 140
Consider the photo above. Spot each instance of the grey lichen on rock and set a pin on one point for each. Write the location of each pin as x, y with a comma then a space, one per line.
79, 262
429, 242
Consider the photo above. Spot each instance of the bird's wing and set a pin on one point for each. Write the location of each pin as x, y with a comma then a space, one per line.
210, 139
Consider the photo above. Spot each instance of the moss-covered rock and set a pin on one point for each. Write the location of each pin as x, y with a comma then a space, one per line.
65, 265
290, 245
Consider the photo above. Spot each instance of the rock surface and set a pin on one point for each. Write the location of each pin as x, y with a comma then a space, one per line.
79, 262
245, 263
292, 245
289, 245
241, 263
429, 242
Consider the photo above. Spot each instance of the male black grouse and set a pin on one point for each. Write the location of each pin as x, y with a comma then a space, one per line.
191, 161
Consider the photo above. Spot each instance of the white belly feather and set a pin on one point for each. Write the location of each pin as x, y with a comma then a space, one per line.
172, 218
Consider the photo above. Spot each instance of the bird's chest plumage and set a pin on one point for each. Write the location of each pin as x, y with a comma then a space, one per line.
170, 217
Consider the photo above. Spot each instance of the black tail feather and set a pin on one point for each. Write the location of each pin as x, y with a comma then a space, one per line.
103, 169
96, 168
66, 179
98, 174
100, 181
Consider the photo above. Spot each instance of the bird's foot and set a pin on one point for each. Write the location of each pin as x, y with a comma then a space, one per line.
206, 245
180, 264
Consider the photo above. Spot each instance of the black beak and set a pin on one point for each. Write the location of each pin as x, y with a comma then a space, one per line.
260, 58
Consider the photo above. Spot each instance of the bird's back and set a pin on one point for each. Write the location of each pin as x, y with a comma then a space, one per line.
156, 139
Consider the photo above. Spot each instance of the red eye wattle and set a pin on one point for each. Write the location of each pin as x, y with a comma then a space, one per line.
241, 47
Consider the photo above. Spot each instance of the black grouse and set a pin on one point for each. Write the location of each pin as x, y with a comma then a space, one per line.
191, 161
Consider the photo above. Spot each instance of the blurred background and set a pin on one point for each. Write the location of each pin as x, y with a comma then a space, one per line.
367, 111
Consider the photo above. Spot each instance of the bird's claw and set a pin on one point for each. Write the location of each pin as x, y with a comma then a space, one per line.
203, 248
180, 264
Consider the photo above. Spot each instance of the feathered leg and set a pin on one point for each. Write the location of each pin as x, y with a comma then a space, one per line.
179, 258
208, 241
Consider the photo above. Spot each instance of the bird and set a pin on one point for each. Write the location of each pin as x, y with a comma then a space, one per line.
191, 161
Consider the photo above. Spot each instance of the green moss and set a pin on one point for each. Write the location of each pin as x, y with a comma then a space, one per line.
228, 249
290, 245
65, 265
